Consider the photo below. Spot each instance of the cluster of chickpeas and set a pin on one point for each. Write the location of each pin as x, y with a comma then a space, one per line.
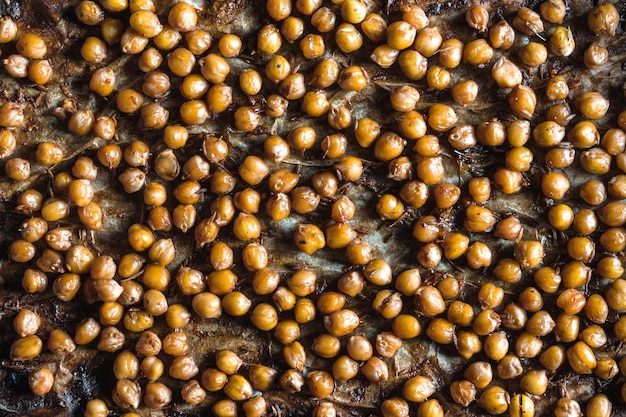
531, 317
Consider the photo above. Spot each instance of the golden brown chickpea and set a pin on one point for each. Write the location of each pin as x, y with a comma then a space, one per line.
345, 368
477, 53
374, 27
183, 17
413, 64
264, 317
375, 370
12, 115
418, 389
354, 78
32, 46
292, 28
41, 381
262, 377
428, 41
603, 19
8, 29
269, 40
